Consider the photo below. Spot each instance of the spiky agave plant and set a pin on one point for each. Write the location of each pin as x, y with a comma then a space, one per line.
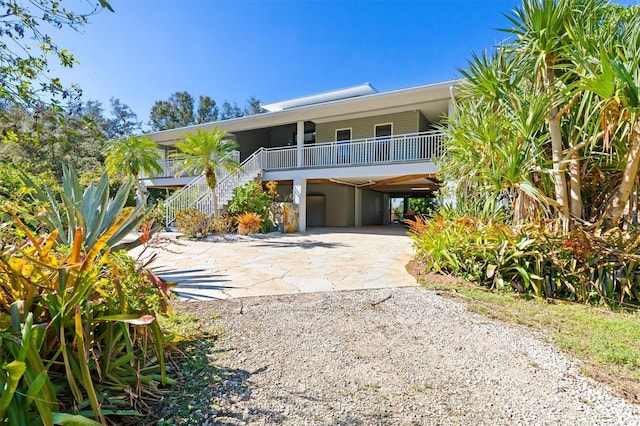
78, 338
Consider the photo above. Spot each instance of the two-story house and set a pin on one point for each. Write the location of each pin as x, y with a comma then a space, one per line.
341, 154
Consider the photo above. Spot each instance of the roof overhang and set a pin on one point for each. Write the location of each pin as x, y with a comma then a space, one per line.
432, 100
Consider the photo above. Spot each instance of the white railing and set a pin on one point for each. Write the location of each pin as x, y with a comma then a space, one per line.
191, 194
169, 169
393, 149
250, 170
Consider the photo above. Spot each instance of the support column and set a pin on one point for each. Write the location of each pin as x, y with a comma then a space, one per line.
299, 142
300, 198
386, 209
358, 207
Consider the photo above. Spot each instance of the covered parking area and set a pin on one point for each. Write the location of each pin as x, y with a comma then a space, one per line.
356, 196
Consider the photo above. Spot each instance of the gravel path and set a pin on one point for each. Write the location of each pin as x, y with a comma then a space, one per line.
414, 358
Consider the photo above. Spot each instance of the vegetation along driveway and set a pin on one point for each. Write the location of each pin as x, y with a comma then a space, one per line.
324, 259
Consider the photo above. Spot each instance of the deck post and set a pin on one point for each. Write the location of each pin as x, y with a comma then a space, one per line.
299, 142
300, 198
357, 220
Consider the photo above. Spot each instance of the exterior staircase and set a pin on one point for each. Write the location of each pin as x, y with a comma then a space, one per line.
198, 194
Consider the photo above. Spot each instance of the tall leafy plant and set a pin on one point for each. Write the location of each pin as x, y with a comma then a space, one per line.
90, 209
78, 336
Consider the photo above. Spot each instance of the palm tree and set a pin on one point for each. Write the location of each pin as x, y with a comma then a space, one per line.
613, 74
209, 152
544, 30
131, 156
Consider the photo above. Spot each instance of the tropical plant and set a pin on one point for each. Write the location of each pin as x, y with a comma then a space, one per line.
78, 334
210, 153
194, 223
250, 197
131, 157
536, 258
545, 125
612, 73
90, 209
249, 223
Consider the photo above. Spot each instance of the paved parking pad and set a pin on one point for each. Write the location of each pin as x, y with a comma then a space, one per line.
324, 259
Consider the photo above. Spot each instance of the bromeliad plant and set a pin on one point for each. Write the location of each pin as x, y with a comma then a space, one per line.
79, 343
249, 223
538, 258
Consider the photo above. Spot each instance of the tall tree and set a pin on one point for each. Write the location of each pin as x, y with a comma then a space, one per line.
565, 92
25, 49
41, 138
209, 152
612, 72
207, 110
543, 30
131, 157
230, 111
123, 122
174, 113
253, 106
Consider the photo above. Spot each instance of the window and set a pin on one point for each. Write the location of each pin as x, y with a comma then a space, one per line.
384, 130
309, 137
383, 134
343, 134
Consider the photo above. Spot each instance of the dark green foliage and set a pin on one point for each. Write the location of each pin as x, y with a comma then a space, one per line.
250, 197
41, 139
123, 122
207, 110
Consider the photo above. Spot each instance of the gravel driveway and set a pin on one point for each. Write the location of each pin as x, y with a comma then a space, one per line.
401, 356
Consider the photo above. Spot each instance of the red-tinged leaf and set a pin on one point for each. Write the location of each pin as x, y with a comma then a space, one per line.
129, 319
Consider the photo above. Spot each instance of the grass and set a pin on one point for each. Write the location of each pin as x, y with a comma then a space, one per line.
196, 362
605, 341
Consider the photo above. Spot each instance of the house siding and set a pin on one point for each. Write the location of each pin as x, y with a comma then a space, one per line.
403, 122
340, 209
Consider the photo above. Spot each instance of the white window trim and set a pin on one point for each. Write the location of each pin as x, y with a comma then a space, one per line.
350, 129
375, 127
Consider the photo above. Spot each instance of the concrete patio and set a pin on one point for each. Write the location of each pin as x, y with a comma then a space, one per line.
322, 259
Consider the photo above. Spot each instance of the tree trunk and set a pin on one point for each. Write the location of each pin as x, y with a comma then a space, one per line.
141, 199
575, 187
212, 182
629, 175
559, 180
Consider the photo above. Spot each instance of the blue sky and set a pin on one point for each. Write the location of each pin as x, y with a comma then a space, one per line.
275, 50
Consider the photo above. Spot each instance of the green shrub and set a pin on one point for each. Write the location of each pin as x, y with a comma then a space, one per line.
537, 257
250, 197
156, 214
78, 332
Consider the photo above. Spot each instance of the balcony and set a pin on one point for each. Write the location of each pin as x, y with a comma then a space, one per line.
414, 147
426, 146
171, 167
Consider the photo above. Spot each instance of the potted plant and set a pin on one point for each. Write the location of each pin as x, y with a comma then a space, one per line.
248, 223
